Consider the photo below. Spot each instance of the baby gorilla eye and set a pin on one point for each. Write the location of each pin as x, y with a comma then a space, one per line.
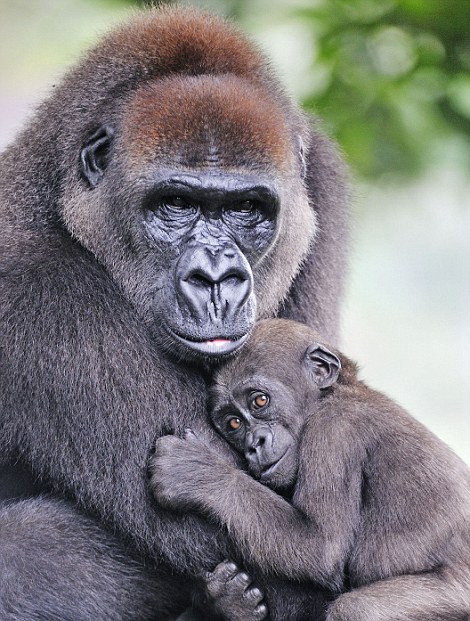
259, 400
234, 423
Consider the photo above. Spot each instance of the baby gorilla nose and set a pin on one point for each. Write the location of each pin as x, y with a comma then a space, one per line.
259, 450
256, 440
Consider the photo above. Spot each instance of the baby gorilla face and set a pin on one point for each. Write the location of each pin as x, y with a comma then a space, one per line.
260, 399
250, 417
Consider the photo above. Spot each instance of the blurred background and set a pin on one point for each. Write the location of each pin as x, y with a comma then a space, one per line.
391, 80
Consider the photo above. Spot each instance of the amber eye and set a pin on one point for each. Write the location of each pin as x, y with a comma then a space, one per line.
260, 400
234, 423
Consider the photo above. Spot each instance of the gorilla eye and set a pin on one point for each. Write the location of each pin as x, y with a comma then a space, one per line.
234, 423
245, 207
174, 208
176, 201
259, 400
248, 207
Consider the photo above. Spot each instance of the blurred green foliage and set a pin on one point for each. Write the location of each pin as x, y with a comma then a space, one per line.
389, 77
398, 67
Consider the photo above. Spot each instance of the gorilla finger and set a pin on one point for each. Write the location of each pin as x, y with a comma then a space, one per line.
225, 571
190, 435
260, 612
165, 445
216, 582
241, 580
254, 595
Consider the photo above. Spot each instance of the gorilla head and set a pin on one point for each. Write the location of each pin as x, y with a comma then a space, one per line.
189, 187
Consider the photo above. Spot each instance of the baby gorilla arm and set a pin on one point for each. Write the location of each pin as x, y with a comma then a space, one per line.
271, 534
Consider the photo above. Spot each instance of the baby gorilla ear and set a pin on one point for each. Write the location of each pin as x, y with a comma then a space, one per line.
323, 365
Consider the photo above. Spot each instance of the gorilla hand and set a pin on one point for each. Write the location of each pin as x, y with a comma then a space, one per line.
184, 470
233, 594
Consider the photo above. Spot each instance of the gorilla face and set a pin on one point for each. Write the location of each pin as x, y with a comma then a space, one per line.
214, 227
193, 188
261, 418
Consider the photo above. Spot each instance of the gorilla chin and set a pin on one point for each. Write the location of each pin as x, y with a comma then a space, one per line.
214, 341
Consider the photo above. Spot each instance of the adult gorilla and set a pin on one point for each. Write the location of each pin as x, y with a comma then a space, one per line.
164, 197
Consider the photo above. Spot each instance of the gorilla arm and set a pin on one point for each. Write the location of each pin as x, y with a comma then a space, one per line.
57, 564
307, 542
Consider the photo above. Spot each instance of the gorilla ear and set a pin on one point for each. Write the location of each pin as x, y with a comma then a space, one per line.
323, 365
94, 155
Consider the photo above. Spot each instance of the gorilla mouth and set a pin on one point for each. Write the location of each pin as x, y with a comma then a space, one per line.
216, 347
269, 470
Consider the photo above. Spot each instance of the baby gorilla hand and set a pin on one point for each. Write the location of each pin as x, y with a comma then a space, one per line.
183, 471
233, 595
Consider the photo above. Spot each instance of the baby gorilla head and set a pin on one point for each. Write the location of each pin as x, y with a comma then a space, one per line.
259, 399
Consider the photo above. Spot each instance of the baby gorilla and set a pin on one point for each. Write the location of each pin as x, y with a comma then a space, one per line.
347, 490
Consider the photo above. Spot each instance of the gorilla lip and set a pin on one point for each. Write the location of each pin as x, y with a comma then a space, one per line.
218, 342
271, 469
219, 346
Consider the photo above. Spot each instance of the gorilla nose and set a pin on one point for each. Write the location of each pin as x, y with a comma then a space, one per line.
214, 280
259, 450
258, 442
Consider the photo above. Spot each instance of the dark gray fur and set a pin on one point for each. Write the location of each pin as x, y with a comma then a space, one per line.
86, 382
379, 511
48, 551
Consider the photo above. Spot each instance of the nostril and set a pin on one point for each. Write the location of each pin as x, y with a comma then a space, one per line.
201, 279
233, 278
230, 282
258, 443
198, 279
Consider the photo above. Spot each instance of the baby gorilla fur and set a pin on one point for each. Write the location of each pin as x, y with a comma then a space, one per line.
368, 503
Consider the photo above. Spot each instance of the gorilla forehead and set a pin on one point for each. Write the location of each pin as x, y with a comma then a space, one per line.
277, 348
276, 337
209, 120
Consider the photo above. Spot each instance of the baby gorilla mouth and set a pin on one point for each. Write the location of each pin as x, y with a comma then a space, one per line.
270, 469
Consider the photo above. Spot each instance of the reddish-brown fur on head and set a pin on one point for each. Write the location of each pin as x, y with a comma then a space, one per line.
207, 120
187, 41
193, 55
